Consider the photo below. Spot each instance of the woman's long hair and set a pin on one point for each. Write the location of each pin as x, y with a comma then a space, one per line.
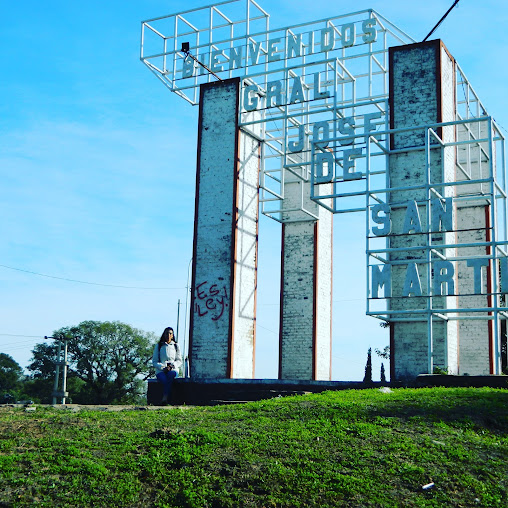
165, 336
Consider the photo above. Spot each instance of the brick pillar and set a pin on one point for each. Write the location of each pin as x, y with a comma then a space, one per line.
422, 91
224, 269
306, 287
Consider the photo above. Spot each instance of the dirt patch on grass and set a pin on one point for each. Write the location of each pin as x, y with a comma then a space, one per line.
86, 407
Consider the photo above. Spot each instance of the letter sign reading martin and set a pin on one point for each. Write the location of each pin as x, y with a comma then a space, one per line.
443, 272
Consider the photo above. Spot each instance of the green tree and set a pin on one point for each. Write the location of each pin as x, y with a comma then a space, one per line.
383, 375
108, 362
384, 353
11, 376
368, 368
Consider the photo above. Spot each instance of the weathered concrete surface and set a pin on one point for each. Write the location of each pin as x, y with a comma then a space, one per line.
421, 92
219, 391
224, 275
305, 342
462, 381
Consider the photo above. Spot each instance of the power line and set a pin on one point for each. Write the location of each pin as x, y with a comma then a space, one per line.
441, 20
22, 347
334, 301
18, 335
267, 329
23, 342
84, 282
17, 345
497, 123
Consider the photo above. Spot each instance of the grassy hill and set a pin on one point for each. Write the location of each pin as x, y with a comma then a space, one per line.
345, 448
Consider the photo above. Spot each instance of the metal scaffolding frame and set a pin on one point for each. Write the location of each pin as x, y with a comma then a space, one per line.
357, 79
495, 194
353, 78
479, 143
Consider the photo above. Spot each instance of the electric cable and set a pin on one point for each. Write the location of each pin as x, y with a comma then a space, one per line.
86, 282
441, 20
18, 335
267, 329
497, 123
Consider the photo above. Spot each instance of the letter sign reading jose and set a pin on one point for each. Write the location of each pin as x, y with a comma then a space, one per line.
341, 164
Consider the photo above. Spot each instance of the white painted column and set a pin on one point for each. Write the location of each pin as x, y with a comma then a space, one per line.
224, 269
477, 346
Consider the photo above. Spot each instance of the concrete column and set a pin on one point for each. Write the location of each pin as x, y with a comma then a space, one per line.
306, 287
224, 269
422, 91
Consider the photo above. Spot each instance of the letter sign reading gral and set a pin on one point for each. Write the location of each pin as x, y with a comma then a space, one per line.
332, 102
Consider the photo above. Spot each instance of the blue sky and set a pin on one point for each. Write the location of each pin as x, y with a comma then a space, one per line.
97, 166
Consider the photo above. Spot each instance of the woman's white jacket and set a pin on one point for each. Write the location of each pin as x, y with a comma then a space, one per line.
168, 353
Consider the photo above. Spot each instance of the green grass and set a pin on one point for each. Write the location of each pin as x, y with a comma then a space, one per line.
345, 448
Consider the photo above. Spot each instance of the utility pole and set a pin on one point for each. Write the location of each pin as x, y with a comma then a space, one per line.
63, 393
178, 320
185, 357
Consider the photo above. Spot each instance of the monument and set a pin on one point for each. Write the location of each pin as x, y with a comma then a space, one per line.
346, 114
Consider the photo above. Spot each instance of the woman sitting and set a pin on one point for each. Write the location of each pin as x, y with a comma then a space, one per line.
166, 361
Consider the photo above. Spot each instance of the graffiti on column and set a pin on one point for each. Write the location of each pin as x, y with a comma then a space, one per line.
210, 299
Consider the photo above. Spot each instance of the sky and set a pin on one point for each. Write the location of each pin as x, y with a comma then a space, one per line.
98, 162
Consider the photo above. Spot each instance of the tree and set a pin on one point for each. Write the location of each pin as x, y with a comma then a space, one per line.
383, 376
384, 353
108, 361
11, 375
368, 368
